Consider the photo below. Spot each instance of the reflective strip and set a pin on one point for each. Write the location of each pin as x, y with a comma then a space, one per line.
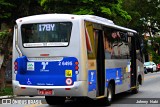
100, 97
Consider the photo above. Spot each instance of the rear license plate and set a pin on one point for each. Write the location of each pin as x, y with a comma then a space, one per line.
45, 92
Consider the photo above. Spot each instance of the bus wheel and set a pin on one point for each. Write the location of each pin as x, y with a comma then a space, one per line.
110, 93
51, 100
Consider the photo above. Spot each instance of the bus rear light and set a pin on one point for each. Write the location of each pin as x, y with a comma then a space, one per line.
67, 88
15, 63
23, 87
20, 20
16, 68
44, 54
89, 83
76, 63
77, 72
72, 17
76, 68
15, 72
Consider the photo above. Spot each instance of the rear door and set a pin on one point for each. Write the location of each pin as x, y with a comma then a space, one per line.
100, 63
96, 59
133, 62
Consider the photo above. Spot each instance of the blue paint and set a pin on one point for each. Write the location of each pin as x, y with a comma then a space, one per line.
114, 73
52, 74
111, 73
92, 80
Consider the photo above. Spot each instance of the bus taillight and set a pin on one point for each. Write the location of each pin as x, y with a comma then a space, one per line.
15, 66
76, 67
76, 62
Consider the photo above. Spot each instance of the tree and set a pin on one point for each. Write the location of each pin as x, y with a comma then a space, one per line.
14, 9
111, 9
10, 11
145, 19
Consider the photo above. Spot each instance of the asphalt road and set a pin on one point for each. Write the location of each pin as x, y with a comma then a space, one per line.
148, 95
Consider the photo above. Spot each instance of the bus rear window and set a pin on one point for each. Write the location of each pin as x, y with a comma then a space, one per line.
46, 34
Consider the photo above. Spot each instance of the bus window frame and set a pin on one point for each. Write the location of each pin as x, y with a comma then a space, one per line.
20, 29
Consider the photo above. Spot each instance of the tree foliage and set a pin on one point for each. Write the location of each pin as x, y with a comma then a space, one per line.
14, 9
10, 11
111, 9
141, 15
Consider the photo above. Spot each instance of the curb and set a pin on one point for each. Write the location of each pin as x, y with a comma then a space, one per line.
7, 96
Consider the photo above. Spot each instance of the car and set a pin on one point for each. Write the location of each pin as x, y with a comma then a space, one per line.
158, 67
145, 70
150, 66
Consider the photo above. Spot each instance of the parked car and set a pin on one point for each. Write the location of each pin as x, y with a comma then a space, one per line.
150, 66
158, 67
145, 70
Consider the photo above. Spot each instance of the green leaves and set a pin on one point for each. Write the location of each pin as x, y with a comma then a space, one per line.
3, 34
4, 7
83, 12
105, 10
110, 9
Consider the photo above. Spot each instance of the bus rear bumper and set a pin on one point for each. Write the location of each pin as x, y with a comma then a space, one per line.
79, 88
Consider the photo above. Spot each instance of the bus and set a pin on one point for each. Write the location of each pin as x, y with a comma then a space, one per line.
63, 56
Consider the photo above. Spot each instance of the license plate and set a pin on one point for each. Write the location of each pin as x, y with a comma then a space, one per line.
45, 92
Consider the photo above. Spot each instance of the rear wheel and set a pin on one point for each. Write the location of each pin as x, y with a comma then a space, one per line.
110, 94
107, 100
51, 100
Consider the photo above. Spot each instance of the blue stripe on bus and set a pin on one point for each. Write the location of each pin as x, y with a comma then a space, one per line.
92, 79
111, 73
52, 74
115, 74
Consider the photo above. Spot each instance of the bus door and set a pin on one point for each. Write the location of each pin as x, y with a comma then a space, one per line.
100, 60
133, 62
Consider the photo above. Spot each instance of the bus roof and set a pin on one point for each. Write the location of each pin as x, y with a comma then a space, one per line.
92, 18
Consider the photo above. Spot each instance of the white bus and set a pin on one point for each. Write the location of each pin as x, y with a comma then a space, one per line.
65, 55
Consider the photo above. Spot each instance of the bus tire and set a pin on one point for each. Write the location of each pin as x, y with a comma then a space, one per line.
110, 94
51, 100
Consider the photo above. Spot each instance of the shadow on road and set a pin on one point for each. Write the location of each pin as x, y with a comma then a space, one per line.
118, 99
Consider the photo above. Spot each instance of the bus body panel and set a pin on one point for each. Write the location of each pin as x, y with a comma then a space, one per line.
120, 74
77, 89
46, 73
73, 50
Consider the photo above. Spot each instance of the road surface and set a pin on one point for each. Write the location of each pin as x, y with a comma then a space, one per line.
147, 94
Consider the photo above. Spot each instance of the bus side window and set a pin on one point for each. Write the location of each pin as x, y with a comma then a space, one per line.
115, 45
138, 50
123, 46
107, 46
90, 40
